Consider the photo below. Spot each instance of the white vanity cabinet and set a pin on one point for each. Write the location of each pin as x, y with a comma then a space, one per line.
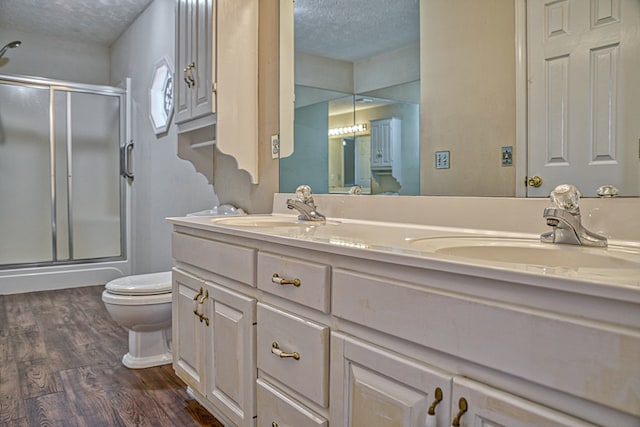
195, 59
331, 335
477, 404
370, 384
189, 329
214, 331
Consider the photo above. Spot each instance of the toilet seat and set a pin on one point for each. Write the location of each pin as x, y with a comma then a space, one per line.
141, 284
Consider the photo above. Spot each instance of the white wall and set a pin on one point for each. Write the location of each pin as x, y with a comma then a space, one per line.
164, 184
54, 58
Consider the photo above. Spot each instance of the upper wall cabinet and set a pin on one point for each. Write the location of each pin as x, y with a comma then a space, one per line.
217, 56
195, 59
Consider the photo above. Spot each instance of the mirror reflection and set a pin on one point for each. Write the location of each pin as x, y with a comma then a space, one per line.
503, 112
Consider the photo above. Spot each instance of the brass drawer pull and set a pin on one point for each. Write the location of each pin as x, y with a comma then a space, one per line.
438, 396
462, 404
201, 295
282, 281
202, 317
275, 349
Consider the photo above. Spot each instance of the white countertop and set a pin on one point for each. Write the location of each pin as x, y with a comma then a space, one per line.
420, 246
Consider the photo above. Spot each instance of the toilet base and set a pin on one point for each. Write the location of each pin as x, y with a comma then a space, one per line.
148, 349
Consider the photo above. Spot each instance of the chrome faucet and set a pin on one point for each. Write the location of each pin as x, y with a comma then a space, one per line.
564, 218
304, 204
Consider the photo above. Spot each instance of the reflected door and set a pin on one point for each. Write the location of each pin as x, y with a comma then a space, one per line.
584, 88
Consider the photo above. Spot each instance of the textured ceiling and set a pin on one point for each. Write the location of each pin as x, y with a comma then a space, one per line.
94, 21
355, 29
341, 29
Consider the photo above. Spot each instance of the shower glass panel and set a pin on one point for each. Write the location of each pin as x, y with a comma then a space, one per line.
95, 183
61, 194
25, 175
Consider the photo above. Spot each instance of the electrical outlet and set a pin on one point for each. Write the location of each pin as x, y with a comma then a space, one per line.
275, 147
442, 160
507, 156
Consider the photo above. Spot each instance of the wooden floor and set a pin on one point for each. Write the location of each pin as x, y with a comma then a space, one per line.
60, 365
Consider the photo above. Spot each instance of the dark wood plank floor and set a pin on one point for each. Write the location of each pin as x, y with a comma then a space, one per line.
60, 365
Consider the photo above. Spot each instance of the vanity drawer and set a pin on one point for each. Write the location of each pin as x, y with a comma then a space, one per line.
308, 374
312, 288
232, 261
276, 408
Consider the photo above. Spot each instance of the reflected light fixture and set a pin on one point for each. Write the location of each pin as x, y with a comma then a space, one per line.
360, 127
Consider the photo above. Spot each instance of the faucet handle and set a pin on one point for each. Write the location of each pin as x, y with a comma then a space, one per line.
303, 194
567, 197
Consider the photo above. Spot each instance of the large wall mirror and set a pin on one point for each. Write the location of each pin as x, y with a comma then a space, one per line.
458, 97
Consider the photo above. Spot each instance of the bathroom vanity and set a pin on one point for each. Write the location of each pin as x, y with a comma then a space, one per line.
362, 322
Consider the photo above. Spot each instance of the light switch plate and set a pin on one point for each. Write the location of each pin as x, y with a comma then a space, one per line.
507, 156
275, 147
442, 160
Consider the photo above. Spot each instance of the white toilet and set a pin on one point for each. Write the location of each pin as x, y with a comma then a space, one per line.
142, 304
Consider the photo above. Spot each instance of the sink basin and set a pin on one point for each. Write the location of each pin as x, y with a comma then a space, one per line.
268, 221
529, 252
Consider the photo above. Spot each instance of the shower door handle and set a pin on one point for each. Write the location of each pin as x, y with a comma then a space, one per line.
126, 152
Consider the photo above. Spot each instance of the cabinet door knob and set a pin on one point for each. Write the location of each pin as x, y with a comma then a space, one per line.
275, 349
199, 294
462, 405
282, 281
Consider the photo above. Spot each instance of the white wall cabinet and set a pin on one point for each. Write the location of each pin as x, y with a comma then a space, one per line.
304, 334
217, 72
195, 59
385, 143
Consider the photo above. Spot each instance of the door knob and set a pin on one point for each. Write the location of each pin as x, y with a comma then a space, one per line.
535, 181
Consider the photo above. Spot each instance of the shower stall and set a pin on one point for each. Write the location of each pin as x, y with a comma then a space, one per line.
64, 183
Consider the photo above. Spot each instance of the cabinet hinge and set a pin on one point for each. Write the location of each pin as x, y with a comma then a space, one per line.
214, 87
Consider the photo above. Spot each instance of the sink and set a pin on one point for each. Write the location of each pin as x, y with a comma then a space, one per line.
268, 221
529, 252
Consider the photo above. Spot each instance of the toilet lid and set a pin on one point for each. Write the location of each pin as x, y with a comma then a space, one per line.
141, 284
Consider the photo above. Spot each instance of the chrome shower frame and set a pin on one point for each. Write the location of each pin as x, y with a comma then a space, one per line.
122, 264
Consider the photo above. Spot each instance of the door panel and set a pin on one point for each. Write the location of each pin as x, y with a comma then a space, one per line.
583, 93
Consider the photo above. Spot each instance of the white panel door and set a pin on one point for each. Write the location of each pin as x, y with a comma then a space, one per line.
584, 87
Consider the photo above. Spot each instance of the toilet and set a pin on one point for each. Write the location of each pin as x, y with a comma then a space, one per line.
142, 304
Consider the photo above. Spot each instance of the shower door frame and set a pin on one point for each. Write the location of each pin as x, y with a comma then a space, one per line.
54, 274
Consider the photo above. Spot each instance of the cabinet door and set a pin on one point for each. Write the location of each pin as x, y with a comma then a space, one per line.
381, 144
184, 25
232, 372
195, 59
187, 330
371, 386
203, 57
486, 406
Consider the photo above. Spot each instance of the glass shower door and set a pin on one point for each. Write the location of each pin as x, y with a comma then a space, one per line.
62, 199
25, 175
94, 184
